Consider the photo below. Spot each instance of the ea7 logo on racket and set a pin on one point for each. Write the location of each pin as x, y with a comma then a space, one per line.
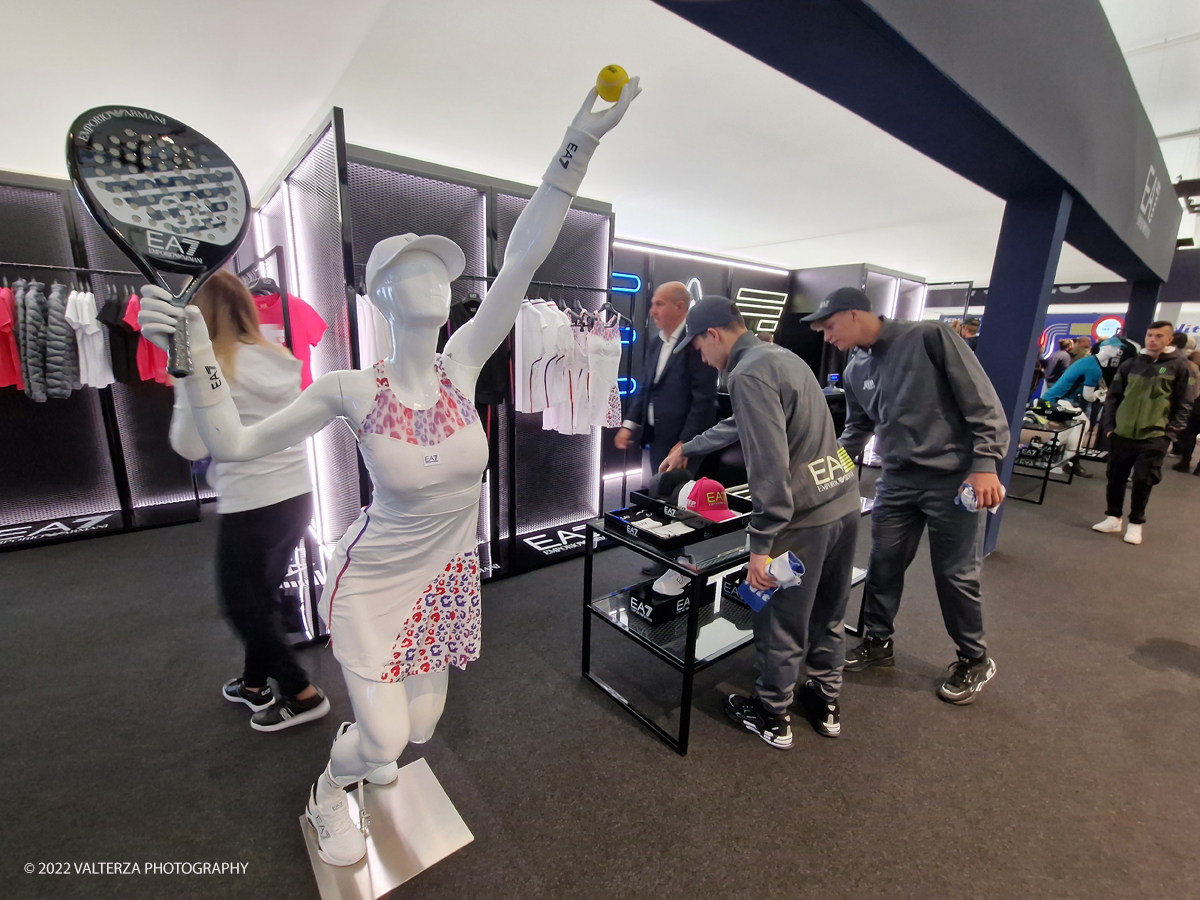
214, 377
168, 246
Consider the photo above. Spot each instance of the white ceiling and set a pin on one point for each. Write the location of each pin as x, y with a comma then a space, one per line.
720, 153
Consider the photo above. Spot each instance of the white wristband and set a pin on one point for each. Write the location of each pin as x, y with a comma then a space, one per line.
206, 387
567, 169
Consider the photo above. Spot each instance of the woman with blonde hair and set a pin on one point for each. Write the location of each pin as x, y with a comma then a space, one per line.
264, 506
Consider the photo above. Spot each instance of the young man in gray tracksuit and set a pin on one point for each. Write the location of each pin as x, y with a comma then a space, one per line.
938, 425
805, 495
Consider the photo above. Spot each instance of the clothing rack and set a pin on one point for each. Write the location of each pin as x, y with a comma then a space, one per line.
548, 284
14, 265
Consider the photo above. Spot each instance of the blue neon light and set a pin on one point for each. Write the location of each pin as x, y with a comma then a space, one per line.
637, 283
626, 391
629, 334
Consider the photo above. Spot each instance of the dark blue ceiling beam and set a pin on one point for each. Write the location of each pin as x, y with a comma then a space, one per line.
847, 51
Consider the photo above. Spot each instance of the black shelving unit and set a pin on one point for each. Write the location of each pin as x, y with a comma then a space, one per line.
1044, 469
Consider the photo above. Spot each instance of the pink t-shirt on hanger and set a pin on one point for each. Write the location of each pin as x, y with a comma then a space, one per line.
307, 328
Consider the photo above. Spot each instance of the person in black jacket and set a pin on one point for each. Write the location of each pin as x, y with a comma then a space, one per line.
678, 397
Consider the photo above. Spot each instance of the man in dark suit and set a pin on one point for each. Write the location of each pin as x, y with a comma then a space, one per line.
678, 396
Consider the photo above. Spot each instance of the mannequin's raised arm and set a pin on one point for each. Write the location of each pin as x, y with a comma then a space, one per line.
536, 231
213, 411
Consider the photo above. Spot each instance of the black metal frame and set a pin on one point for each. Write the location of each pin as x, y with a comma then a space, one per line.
1067, 463
281, 269
688, 667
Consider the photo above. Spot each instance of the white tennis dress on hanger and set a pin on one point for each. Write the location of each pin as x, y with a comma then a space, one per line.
403, 587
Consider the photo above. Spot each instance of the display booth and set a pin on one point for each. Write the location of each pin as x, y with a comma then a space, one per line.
85, 460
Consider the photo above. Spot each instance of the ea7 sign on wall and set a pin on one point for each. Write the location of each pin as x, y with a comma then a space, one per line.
1149, 201
57, 528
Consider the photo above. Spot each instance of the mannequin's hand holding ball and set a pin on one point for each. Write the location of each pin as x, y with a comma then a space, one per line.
158, 318
609, 83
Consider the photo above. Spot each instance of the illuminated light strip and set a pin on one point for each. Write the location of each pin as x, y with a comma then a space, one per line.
625, 474
697, 294
633, 335
700, 257
597, 462
625, 392
625, 290
763, 308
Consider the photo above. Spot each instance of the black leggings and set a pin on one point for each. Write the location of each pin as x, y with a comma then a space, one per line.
253, 551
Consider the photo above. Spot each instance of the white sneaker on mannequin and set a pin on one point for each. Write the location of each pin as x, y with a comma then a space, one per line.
1133, 534
339, 841
1110, 525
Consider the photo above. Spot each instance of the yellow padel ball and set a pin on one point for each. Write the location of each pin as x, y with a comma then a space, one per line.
609, 83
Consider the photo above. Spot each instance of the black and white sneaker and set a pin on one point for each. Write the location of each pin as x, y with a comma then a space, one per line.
872, 651
750, 714
967, 678
288, 711
235, 692
825, 715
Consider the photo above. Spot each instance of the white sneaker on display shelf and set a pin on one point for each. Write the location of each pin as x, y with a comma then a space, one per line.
339, 840
672, 583
1133, 534
1111, 525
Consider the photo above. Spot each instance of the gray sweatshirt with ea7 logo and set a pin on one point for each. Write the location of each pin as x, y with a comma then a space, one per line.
933, 410
798, 476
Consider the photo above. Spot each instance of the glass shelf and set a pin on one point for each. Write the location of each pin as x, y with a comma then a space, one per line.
720, 633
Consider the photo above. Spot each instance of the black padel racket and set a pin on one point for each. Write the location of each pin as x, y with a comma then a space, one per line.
168, 196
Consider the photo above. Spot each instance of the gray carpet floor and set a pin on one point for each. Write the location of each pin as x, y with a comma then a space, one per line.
1074, 775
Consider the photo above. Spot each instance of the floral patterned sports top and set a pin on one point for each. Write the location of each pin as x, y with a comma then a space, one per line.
423, 427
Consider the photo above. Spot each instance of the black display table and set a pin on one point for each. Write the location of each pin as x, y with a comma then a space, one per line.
707, 633
712, 628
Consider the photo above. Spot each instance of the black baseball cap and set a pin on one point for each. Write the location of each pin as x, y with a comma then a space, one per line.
840, 300
713, 311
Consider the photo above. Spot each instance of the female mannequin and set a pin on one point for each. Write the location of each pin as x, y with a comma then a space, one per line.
403, 587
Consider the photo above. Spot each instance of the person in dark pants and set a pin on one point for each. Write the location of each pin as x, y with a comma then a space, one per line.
254, 550
264, 507
678, 396
1185, 444
939, 427
1148, 405
805, 496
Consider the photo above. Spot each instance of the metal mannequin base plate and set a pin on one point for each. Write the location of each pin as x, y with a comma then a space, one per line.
413, 826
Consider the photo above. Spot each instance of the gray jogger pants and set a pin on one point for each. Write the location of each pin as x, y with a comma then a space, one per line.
955, 549
801, 627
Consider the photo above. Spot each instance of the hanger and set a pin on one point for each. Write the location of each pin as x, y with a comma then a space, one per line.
262, 287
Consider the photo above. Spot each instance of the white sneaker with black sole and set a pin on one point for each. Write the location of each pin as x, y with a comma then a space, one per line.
234, 690
339, 840
288, 711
